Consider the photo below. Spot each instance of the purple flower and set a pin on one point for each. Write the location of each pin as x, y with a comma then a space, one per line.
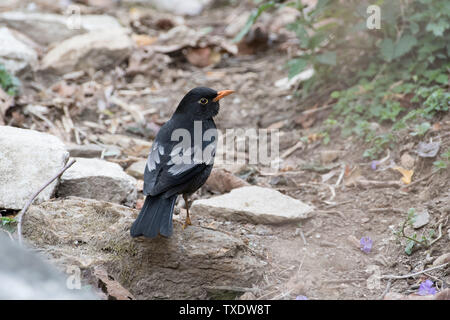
366, 244
374, 164
426, 288
301, 298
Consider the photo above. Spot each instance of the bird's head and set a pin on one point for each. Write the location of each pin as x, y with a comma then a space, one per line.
201, 103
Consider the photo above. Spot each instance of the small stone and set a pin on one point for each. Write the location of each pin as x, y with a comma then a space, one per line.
407, 161
421, 220
130, 145
85, 151
254, 204
181, 7
328, 156
137, 169
98, 179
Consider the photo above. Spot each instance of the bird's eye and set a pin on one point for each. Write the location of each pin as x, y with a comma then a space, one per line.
203, 101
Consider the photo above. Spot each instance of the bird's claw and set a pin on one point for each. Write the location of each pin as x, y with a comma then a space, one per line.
187, 222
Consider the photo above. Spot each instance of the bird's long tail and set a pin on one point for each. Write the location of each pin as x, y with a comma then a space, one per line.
155, 217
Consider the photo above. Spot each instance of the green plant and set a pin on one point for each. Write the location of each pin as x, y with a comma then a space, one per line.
8, 82
444, 162
7, 223
414, 240
395, 76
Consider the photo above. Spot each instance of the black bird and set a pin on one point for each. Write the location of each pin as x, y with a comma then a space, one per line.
180, 161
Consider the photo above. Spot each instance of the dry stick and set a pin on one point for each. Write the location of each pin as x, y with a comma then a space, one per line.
28, 204
388, 287
413, 274
8, 233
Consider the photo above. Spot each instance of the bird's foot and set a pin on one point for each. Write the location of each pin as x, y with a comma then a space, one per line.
187, 222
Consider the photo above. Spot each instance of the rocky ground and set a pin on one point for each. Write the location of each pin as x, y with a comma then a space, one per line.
99, 92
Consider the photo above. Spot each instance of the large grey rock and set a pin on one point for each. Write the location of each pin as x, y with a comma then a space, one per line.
15, 53
46, 28
25, 275
253, 204
93, 234
28, 159
98, 179
97, 49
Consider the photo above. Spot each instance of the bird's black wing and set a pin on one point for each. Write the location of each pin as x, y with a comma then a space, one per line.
170, 165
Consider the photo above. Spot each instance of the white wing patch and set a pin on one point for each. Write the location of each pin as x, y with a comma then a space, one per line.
154, 156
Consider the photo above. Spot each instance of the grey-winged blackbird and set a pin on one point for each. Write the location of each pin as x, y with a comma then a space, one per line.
180, 161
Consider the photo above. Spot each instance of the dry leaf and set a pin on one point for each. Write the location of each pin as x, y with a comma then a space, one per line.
143, 40
428, 150
352, 175
407, 174
202, 57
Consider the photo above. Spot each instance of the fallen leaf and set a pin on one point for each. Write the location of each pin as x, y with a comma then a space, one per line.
202, 57
407, 174
428, 150
305, 120
143, 40
352, 175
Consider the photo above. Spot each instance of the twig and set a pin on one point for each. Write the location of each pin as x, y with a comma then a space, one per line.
292, 149
388, 287
28, 204
387, 209
413, 274
341, 175
379, 184
311, 111
9, 234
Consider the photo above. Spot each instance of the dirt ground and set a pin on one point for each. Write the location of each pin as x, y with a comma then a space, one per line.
317, 258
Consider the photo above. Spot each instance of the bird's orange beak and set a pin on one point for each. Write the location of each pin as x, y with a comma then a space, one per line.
222, 94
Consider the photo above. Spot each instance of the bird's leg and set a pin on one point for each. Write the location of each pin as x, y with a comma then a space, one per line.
187, 222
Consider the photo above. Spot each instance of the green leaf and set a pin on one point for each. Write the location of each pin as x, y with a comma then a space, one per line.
327, 58
296, 66
421, 129
252, 19
387, 49
409, 247
301, 33
391, 51
442, 79
438, 28
440, 164
404, 45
